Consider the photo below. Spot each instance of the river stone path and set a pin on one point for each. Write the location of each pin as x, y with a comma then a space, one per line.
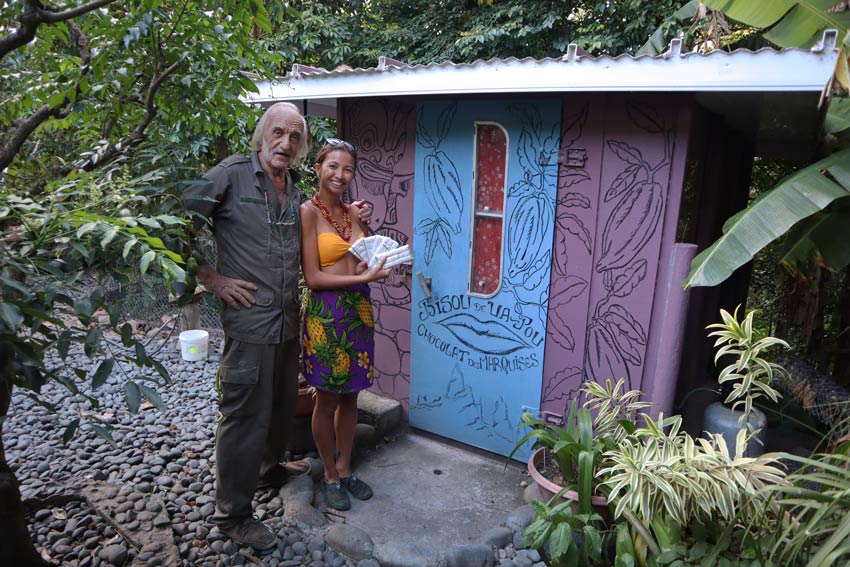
148, 498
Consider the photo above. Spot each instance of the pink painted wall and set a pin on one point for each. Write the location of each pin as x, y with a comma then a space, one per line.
615, 202
383, 130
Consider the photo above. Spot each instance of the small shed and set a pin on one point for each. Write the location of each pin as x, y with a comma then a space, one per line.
554, 207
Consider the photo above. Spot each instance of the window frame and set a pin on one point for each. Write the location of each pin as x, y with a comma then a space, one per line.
475, 214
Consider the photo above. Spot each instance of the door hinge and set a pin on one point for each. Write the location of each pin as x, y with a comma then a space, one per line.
552, 417
572, 157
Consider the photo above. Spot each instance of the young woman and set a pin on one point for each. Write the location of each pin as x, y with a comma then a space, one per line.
337, 334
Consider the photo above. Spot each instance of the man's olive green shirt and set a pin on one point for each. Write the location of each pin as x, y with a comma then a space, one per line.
264, 249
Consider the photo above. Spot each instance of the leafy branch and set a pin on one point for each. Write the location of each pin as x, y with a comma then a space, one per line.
34, 14
50, 109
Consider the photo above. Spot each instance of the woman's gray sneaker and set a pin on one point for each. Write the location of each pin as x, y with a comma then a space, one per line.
251, 532
356, 487
335, 496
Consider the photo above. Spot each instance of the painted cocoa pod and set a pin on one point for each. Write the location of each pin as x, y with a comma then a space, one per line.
631, 225
603, 355
443, 188
627, 332
526, 232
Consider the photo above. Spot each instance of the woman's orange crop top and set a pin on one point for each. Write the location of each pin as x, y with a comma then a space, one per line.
332, 247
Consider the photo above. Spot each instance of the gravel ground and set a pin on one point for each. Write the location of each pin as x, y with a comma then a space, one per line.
148, 499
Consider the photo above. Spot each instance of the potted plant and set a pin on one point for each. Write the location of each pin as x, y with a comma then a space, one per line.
683, 497
749, 377
567, 459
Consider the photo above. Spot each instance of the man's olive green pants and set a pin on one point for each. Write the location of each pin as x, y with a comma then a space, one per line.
259, 386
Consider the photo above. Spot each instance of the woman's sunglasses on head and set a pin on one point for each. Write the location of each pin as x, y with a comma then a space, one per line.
337, 143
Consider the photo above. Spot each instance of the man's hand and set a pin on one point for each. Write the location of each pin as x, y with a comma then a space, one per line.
364, 211
236, 293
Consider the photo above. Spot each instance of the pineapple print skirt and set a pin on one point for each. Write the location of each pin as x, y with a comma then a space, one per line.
337, 340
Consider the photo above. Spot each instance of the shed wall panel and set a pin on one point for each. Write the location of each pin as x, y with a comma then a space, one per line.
611, 216
384, 132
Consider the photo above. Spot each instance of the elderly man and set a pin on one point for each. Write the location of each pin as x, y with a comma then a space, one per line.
252, 204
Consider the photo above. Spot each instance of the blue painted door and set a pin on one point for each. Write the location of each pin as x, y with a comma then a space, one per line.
477, 341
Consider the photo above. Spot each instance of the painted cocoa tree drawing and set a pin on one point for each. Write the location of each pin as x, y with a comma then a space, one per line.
532, 212
441, 187
572, 248
571, 236
615, 338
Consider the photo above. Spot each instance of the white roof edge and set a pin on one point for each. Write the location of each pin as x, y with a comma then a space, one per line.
765, 70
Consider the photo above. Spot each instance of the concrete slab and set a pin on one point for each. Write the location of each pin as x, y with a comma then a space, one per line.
382, 413
433, 492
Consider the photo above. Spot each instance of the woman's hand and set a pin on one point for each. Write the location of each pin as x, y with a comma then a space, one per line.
375, 273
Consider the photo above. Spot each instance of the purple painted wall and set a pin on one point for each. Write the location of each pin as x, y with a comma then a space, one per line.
619, 190
384, 132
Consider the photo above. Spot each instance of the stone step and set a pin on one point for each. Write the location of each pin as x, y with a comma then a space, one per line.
382, 413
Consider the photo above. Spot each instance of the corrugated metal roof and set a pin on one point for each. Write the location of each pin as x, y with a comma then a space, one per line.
765, 70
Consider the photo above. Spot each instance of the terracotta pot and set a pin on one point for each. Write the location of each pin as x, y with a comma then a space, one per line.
548, 489
305, 402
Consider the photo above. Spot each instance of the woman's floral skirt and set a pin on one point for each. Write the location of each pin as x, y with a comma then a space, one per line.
337, 340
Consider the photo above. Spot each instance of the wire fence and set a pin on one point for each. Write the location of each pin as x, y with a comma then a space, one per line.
146, 299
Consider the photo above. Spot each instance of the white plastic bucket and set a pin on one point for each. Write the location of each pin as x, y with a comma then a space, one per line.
194, 344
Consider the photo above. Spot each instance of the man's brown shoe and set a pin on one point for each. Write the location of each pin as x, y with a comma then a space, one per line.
250, 532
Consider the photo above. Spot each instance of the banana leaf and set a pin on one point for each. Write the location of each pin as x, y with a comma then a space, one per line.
794, 199
792, 23
838, 115
823, 238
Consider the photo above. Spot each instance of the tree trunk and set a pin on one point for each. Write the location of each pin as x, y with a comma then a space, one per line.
16, 546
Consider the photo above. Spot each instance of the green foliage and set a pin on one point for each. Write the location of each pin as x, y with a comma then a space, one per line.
805, 193
791, 23
663, 473
107, 224
554, 532
751, 376
698, 551
130, 72
816, 511
311, 33
658, 41
104, 116
425, 31
816, 198
577, 448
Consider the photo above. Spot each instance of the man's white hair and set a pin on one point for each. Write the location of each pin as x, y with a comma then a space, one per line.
306, 139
